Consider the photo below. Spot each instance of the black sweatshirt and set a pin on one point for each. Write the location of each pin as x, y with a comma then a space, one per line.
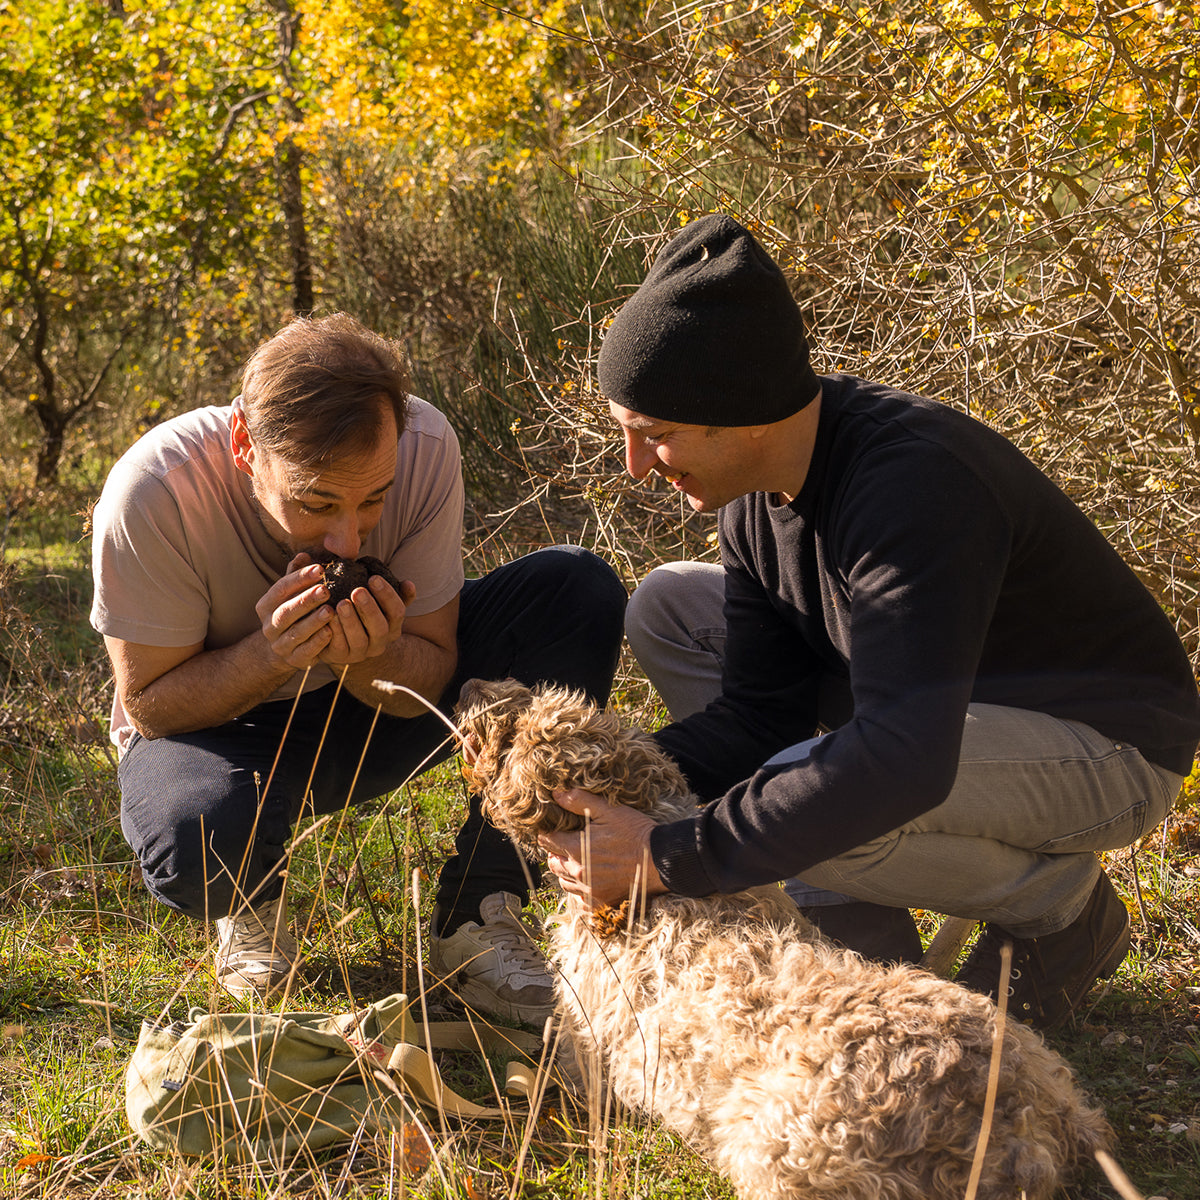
925, 564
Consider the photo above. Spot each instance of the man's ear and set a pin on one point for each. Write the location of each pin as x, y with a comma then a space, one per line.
245, 452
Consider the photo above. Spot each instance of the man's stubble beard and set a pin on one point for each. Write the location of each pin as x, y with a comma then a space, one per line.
265, 520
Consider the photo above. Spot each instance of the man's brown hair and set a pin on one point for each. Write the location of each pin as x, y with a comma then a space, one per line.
320, 387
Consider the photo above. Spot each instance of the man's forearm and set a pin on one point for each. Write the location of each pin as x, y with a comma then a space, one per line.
208, 689
214, 686
411, 661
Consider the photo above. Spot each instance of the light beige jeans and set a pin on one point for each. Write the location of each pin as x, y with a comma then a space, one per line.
1014, 842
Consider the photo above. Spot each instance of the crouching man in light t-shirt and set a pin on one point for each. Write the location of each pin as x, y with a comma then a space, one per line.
227, 652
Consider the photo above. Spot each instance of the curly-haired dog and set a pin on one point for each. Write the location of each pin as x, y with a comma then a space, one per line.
798, 1069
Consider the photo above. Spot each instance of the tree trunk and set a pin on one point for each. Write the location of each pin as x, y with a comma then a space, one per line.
291, 195
51, 447
288, 158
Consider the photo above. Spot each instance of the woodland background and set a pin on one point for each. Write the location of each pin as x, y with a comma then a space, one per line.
997, 205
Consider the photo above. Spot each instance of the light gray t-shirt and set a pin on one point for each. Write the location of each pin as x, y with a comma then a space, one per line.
180, 556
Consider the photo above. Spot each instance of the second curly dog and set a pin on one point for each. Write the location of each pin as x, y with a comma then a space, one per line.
798, 1069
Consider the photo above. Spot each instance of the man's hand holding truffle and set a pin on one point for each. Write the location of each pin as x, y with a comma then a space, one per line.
295, 623
367, 622
368, 604
352, 615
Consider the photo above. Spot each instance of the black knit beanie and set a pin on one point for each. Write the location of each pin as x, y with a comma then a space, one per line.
712, 336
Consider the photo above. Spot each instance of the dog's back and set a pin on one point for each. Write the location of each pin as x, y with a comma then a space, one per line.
802, 1070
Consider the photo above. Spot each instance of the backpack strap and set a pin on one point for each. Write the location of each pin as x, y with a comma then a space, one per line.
418, 1074
472, 1035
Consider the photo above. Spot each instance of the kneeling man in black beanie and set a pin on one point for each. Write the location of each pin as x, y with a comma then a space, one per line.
920, 677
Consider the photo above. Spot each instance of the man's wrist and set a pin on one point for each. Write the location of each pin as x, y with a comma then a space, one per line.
414, 673
655, 886
676, 859
276, 670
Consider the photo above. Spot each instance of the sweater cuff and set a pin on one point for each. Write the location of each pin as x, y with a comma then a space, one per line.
675, 854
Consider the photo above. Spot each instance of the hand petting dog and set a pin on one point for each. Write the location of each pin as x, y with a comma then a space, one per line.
607, 861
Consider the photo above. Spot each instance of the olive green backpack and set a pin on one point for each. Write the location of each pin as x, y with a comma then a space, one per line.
265, 1086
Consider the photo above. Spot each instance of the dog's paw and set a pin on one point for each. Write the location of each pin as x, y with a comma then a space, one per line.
609, 921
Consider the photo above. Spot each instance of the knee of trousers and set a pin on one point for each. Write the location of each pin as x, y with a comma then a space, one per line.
576, 581
656, 610
199, 863
574, 569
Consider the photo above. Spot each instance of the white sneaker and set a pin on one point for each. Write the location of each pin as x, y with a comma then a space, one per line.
495, 966
256, 952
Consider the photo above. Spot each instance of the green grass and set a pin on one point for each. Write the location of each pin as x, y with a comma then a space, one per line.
83, 962
86, 955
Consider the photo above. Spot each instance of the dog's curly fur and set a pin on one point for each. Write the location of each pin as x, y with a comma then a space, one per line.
797, 1068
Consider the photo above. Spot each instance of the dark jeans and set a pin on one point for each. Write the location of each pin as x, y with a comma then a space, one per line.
209, 813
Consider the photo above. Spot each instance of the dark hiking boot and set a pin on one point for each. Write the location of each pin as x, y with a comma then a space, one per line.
876, 931
1052, 974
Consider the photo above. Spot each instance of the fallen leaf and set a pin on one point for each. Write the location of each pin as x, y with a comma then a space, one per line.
415, 1155
33, 1160
61, 884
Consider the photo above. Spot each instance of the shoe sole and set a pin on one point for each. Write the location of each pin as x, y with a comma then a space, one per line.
484, 1001
242, 987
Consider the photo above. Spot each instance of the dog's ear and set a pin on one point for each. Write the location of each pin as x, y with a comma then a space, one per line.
561, 741
564, 742
542, 753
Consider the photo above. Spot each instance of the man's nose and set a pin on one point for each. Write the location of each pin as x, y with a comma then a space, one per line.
639, 458
343, 539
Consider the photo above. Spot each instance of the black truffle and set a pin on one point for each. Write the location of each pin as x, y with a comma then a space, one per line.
343, 575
